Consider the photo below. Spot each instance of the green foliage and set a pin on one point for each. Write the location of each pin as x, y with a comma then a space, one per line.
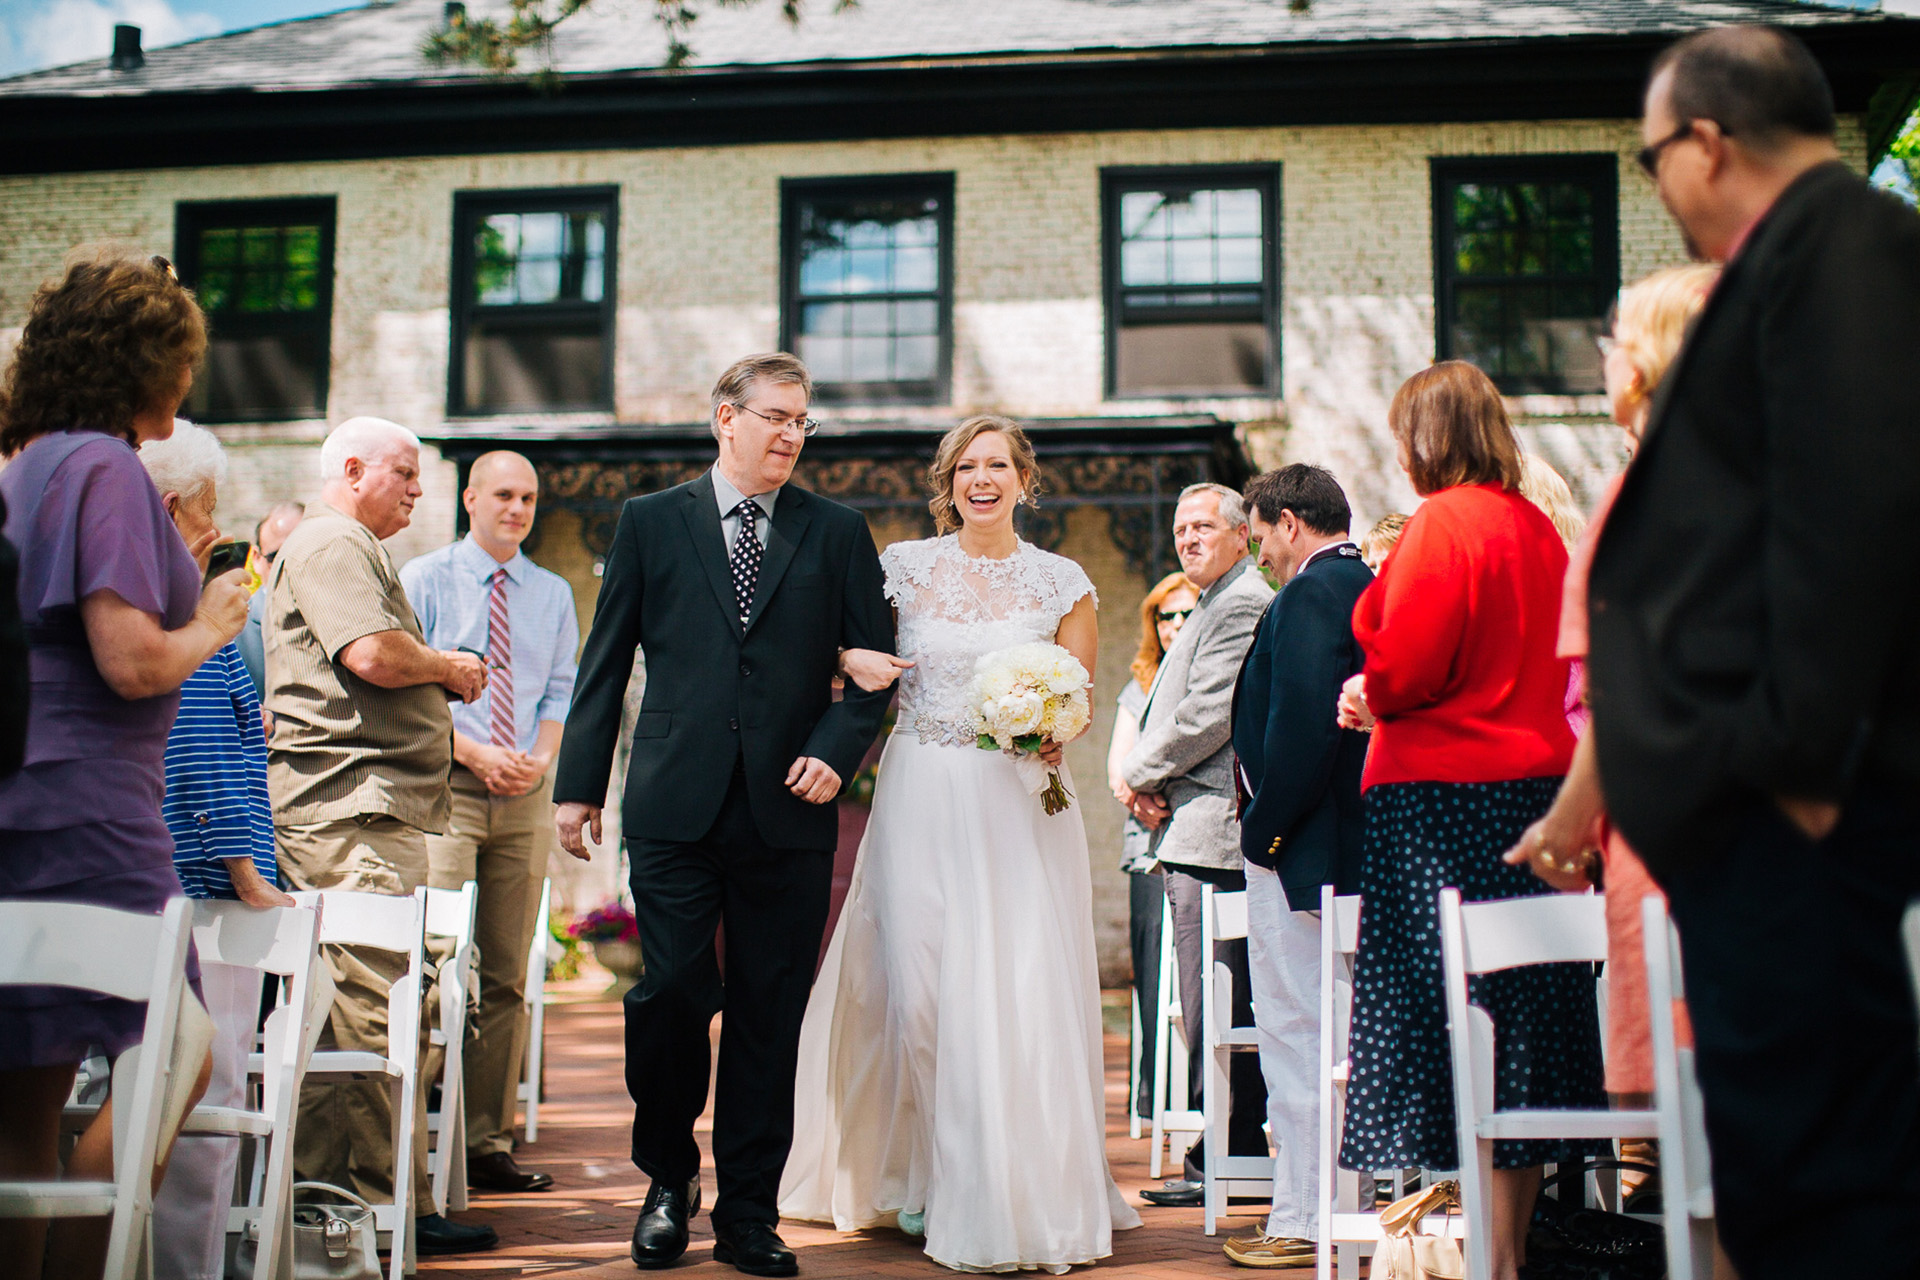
530, 24
1906, 149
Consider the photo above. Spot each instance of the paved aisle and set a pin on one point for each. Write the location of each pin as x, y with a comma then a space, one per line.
582, 1226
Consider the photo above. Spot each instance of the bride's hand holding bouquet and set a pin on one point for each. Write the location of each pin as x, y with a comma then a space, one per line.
1028, 701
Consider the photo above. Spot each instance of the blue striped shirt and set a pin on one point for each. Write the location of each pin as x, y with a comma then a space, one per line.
449, 590
216, 803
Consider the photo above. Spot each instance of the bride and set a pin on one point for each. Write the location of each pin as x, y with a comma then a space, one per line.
951, 1080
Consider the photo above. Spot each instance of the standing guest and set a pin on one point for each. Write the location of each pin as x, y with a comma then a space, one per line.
1162, 614
1381, 539
483, 595
1300, 828
1756, 678
268, 537
1470, 746
1648, 326
13, 661
1178, 781
117, 620
358, 769
1546, 489
216, 807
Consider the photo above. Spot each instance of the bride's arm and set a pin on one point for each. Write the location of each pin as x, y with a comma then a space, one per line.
1079, 635
871, 669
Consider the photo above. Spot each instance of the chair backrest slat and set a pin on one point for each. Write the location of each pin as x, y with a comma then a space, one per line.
388, 923
1345, 924
1229, 915
1557, 929
273, 940
74, 944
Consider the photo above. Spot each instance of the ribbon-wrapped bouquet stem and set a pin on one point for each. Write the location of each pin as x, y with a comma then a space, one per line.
1024, 697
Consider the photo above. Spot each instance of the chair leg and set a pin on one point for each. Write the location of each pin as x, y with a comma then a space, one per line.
536, 1041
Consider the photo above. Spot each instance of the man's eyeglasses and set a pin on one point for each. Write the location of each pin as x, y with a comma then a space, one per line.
1649, 157
807, 425
1173, 615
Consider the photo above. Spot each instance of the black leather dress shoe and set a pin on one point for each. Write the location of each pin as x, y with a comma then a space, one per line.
434, 1236
755, 1248
660, 1237
1175, 1193
498, 1172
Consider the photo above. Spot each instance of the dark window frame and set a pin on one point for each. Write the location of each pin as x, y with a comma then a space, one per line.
469, 209
1118, 181
1601, 170
795, 191
193, 217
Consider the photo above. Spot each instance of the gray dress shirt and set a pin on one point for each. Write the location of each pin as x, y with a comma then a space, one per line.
729, 497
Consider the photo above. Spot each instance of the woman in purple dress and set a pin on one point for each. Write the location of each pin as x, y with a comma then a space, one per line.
116, 620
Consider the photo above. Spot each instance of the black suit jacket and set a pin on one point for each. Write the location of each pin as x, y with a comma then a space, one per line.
1755, 595
1303, 816
718, 694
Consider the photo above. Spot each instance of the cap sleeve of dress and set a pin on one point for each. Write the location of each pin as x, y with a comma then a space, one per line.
1070, 584
101, 525
909, 568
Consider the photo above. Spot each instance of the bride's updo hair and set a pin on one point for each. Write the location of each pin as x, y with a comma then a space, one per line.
946, 460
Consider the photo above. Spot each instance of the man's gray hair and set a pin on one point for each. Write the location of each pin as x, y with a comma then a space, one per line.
187, 463
737, 384
363, 438
1233, 508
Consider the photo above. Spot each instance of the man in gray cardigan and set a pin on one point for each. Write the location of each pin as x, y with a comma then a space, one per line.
1179, 778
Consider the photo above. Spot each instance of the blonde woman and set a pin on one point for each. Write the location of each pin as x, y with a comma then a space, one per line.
951, 1082
1649, 324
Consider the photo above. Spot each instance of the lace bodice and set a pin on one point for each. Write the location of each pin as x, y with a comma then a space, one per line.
956, 608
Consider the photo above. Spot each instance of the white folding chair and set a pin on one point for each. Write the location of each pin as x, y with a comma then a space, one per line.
1686, 1170
1910, 933
536, 999
1170, 1078
1223, 918
396, 924
1485, 937
1134, 1036
450, 919
134, 957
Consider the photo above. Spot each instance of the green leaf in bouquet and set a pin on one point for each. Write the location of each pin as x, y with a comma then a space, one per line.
986, 743
1030, 742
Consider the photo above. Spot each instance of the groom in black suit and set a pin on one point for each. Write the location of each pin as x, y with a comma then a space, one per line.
740, 589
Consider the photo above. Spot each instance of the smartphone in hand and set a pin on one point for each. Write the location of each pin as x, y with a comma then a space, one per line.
227, 557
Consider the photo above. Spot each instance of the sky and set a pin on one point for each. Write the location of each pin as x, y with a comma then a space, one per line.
51, 33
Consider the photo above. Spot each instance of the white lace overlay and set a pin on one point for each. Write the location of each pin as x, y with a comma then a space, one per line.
955, 609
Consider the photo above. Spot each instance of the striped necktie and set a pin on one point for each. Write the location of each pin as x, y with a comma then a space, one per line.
500, 658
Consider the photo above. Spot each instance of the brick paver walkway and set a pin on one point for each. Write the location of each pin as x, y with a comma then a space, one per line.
582, 1226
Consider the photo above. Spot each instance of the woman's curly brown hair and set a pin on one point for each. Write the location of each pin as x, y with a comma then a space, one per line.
110, 339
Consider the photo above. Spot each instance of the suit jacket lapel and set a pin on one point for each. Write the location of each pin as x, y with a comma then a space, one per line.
783, 539
710, 548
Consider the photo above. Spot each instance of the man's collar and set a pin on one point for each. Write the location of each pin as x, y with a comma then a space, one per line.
476, 560
1340, 547
1225, 580
729, 496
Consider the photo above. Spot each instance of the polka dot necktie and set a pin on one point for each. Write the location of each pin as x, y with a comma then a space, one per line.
746, 557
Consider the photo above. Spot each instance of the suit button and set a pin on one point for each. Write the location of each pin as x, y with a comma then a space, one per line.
733, 723
746, 669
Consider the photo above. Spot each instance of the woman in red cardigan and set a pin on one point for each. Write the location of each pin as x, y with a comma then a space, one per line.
1470, 744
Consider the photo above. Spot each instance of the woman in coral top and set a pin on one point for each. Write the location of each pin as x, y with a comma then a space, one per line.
1468, 702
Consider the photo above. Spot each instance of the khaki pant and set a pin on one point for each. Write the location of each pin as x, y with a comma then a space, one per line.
345, 1130
500, 842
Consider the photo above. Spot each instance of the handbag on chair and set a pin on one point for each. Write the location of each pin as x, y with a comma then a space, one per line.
1404, 1252
331, 1241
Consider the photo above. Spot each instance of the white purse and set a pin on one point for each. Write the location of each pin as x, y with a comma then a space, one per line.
332, 1239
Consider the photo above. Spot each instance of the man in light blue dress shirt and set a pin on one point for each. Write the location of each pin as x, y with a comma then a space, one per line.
483, 595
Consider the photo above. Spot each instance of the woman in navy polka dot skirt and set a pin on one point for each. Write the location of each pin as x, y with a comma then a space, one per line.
1468, 706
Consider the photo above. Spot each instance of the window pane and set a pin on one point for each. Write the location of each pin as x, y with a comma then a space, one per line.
867, 271
1191, 359
537, 280
220, 247
916, 269
523, 368
821, 272
875, 248
1143, 216
870, 317
919, 316
1478, 327
916, 359
1191, 237
825, 355
1143, 262
1238, 213
1193, 262
260, 247
1239, 262
258, 378
867, 359
527, 259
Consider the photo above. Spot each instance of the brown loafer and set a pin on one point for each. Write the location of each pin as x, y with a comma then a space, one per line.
498, 1172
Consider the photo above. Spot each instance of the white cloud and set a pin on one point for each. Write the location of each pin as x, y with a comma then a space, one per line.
53, 33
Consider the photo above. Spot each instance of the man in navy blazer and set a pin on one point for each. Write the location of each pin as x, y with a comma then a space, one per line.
1299, 774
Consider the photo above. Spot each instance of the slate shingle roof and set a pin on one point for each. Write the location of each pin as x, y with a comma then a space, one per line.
379, 44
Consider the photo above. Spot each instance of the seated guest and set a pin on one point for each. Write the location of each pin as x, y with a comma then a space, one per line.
1161, 615
117, 619
1649, 324
362, 744
1470, 746
268, 536
216, 807
1381, 539
1301, 822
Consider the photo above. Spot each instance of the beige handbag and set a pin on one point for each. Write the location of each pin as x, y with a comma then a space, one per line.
1404, 1253
332, 1238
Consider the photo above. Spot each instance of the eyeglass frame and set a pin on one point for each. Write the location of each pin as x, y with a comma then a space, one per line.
1648, 156
1174, 615
807, 425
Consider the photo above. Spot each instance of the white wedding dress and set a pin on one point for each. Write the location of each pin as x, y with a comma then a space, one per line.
950, 1062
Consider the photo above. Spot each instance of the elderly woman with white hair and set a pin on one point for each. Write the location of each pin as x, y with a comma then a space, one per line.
217, 809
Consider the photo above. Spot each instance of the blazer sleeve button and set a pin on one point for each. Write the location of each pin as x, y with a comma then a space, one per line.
734, 723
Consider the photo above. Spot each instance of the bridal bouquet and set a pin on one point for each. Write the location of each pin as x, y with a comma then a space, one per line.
1023, 696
